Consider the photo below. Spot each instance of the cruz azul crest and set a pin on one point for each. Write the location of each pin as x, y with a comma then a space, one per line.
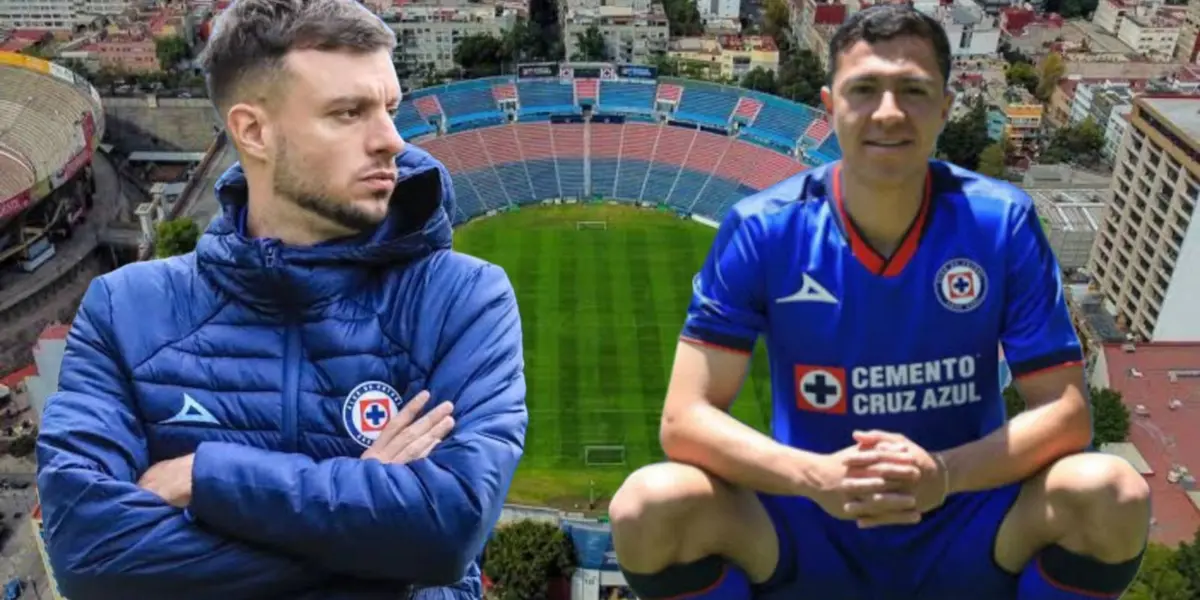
368, 409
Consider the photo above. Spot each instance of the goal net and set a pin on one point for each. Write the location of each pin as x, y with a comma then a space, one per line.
604, 456
581, 225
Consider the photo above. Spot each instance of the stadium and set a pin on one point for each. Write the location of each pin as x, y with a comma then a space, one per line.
50, 125
636, 171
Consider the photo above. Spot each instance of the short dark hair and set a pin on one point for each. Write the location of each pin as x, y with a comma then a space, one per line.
252, 37
887, 22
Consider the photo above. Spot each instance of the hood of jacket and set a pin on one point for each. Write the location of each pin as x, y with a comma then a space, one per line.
272, 276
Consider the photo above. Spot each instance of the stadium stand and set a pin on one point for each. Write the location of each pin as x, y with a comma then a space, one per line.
693, 147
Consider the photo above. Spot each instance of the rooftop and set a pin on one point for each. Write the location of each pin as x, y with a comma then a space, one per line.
1182, 111
1069, 210
1156, 376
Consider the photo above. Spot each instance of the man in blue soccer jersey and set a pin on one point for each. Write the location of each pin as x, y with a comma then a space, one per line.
885, 285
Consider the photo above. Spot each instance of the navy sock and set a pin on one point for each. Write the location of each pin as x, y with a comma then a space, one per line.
712, 578
1059, 574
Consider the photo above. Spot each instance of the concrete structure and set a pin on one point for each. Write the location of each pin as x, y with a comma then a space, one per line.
57, 15
1160, 383
719, 10
1146, 26
972, 32
428, 31
1015, 114
1188, 47
47, 360
727, 56
1114, 131
631, 34
1145, 260
1074, 217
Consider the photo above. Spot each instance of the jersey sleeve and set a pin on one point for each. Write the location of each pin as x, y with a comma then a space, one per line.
727, 308
1037, 330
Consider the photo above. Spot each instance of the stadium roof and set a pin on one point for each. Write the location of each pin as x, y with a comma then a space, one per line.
1154, 376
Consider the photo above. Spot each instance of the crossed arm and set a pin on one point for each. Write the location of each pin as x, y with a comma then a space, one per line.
109, 538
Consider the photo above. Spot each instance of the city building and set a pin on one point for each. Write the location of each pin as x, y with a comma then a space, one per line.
1144, 261
1188, 48
1160, 384
972, 32
1114, 131
1074, 217
57, 15
719, 9
727, 56
428, 31
1147, 26
1016, 115
631, 35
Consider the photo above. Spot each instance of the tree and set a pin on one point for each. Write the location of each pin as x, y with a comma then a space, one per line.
479, 55
800, 77
170, 50
175, 237
1110, 416
524, 556
1187, 561
1159, 579
964, 139
776, 19
760, 80
1050, 72
591, 46
991, 160
1081, 143
1021, 74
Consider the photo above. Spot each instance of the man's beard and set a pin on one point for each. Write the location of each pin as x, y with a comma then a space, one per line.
301, 185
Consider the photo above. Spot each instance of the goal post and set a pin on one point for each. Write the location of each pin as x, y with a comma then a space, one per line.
604, 456
582, 225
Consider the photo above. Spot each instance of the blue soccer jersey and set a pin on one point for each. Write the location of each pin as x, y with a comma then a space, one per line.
908, 344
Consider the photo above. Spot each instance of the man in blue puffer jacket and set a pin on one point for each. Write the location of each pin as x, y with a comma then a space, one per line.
250, 420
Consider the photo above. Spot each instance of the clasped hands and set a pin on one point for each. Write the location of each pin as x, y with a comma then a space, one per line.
403, 440
884, 479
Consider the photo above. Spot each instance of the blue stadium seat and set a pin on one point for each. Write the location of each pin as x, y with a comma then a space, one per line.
466, 197
545, 97
707, 104
409, 123
516, 182
631, 178
687, 189
626, 96
829, 150
659, 182
488, 188
570, 175
604, 176
544, 175
470, 101
780, 121
716, 197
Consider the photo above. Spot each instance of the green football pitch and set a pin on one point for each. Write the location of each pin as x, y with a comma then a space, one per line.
602, 291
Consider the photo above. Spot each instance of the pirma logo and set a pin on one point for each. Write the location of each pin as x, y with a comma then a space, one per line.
368, 409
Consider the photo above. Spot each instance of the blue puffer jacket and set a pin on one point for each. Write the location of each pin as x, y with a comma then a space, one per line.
274, 365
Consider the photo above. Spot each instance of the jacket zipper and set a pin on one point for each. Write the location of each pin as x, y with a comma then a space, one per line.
291, 363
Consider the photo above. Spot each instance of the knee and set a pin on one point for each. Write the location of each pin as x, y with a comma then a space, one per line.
1105, 494
652, 498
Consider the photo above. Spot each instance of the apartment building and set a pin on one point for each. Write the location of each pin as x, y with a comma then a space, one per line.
972, 32
1146, 261
1114, 131
719, 9
1188, 48
428, 31
57, 15
727, 56
631, 34
1147, 26
1015, 114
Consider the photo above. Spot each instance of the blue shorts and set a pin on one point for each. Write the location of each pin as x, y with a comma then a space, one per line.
949, 556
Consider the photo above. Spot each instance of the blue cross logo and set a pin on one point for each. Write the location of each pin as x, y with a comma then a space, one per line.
375, 415
961, 285
823, 392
